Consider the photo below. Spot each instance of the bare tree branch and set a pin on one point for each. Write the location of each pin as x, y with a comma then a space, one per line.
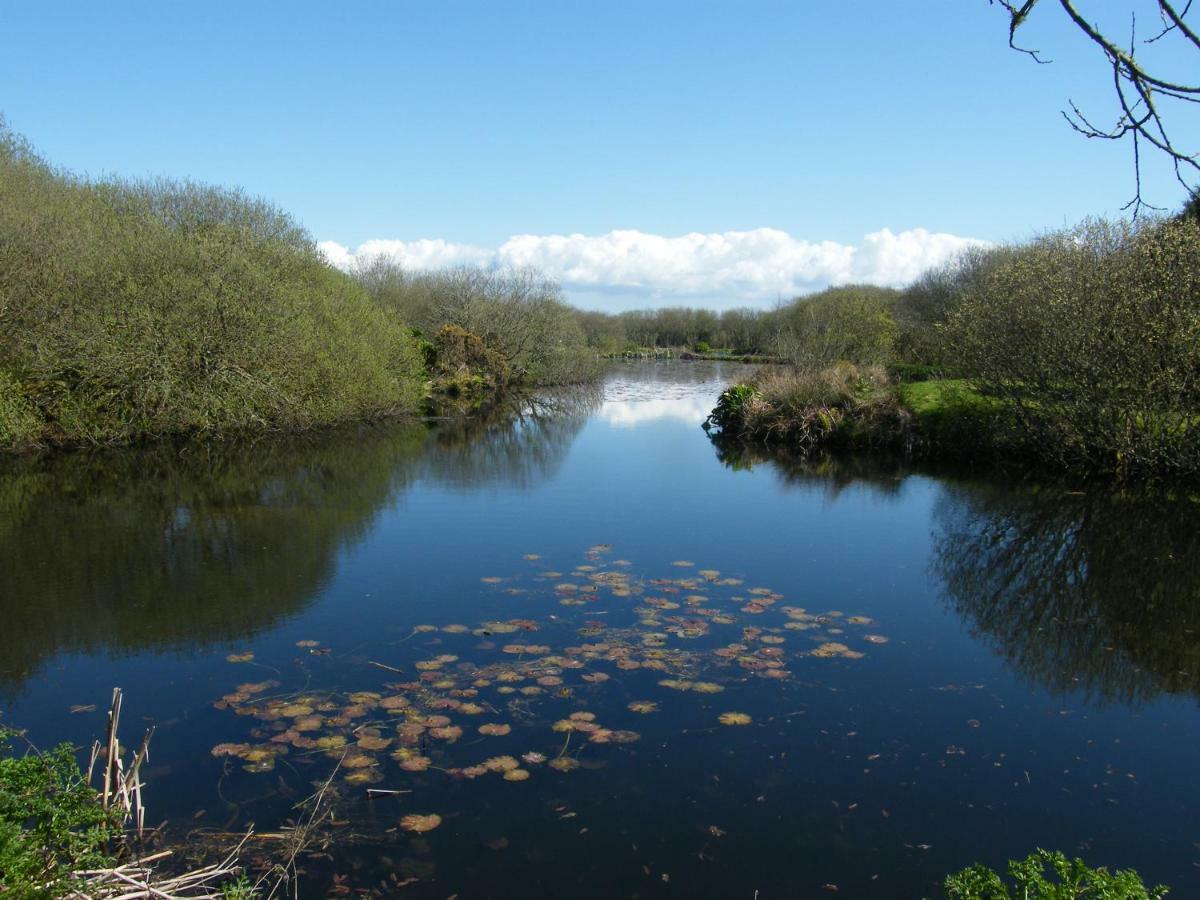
1137, 89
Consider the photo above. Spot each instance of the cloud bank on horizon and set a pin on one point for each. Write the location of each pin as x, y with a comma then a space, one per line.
742, 267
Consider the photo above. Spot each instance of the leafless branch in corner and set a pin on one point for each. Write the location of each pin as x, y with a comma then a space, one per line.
1142, 92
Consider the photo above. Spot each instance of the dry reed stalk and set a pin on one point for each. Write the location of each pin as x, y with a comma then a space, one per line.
121, 791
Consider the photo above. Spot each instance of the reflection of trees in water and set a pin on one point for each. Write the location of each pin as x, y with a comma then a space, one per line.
158, 547
162, 547
882, 473
652, 378
1098, 592
521, 444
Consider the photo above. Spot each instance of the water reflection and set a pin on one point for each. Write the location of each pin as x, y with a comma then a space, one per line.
626, 414
638, 393
165, 548
882, 474
521, 444
1095, 592
159, 548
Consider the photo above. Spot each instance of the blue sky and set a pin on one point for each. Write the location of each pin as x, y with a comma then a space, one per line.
784, 132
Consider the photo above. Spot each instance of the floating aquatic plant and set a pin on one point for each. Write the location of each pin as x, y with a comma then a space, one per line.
419, 823
734, 718
696, 632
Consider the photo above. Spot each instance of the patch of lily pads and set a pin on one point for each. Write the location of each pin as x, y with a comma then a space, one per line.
518, 684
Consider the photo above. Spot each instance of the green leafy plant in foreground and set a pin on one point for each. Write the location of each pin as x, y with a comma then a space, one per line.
50, 821
1049, 875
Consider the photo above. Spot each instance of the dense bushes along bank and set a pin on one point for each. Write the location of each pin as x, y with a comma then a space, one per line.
136, 309
146, 309
1080, 350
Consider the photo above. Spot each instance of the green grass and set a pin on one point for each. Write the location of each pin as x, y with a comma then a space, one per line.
938, 398
950, 416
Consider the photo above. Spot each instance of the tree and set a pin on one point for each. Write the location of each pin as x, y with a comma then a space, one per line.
1143, 91
843, 324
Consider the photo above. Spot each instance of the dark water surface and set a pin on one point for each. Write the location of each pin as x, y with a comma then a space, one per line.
935, 669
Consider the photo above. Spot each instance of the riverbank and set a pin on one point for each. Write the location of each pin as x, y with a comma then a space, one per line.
140, 310
692, 355
942, 419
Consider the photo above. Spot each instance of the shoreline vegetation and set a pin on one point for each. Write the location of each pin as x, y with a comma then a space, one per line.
1078, 351
67, 831
139, 310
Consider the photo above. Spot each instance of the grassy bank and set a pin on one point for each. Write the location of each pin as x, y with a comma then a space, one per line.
847, 407
1078, 351
843, 406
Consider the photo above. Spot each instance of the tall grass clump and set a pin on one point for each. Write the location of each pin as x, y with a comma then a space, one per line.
134, 309
1090, 338
837, 406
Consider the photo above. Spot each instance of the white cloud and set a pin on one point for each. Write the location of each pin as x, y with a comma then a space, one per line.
897, 259
416, 255
737, 266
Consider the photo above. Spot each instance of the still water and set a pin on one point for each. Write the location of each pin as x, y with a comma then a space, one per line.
604, 659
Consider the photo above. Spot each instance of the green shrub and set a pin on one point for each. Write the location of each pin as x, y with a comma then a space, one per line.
702, 347
135, 309
922, 309
730, 412
518, 313
50, 822
1044, 875
1091, 339
851, 324
464, 366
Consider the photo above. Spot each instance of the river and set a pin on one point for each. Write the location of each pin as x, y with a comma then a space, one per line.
697, 673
